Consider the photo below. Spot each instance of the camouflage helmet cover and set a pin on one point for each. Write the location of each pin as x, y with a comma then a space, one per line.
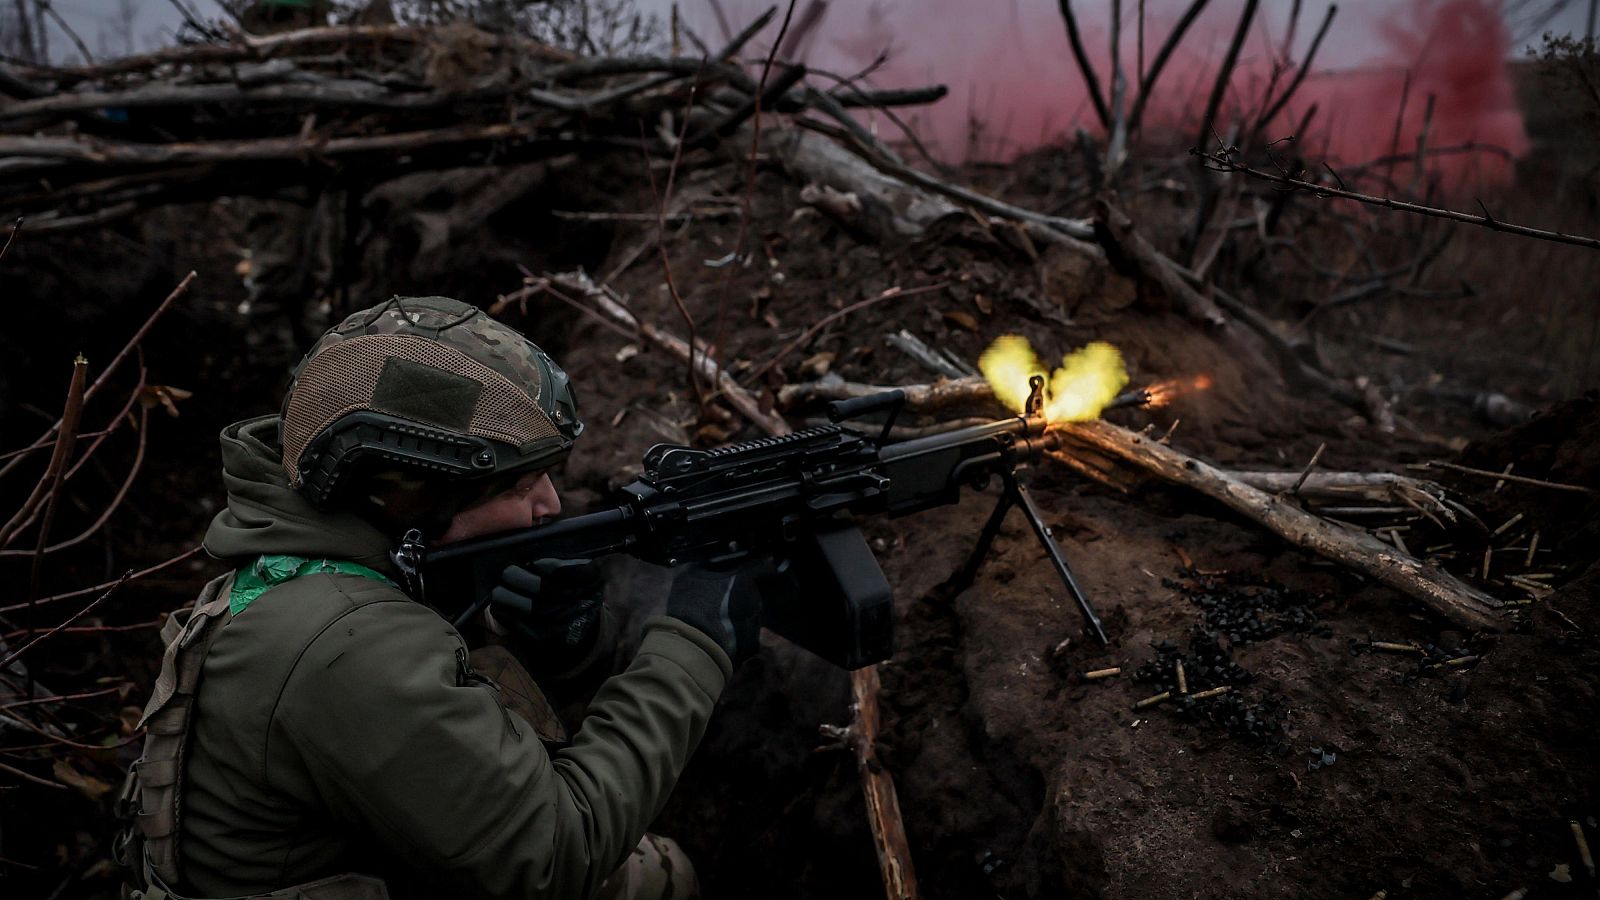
428, 384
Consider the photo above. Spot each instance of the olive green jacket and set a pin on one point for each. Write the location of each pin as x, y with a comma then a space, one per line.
338, 728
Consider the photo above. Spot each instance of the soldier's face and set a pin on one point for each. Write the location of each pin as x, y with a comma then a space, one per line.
529, 502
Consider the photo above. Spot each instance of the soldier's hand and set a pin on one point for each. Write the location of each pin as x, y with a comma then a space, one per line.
555, 605
723, 602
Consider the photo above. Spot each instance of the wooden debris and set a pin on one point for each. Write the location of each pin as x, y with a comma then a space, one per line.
610, 303
1440, 591
1506, 476
883, 805
1123, 243
1356, 488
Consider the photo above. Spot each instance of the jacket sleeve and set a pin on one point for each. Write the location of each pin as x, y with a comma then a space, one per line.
445, 777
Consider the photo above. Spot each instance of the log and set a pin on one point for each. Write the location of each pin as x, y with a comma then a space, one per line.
1122, 240
1355, 489
877, 786
890, 210
1441, 592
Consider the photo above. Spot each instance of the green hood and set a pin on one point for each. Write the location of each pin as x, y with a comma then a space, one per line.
265, 515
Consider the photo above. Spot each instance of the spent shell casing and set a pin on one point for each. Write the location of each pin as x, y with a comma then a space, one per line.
1583, 847
1533, 547
1381, 894
1394, 647
1183, 682
1098, 674
1152, 701
1214, 692
1461, 661
1507, 524
1517, 894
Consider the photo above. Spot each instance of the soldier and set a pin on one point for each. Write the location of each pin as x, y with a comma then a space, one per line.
317, 733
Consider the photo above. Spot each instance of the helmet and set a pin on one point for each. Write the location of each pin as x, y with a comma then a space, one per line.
429, 387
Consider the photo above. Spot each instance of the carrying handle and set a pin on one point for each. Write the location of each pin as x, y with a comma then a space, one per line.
856, 407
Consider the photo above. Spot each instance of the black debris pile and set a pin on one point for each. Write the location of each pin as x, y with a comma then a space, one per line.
1452, 653
1247, 608
1207, 666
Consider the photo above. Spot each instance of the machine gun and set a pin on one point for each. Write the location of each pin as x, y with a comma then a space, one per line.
790, 497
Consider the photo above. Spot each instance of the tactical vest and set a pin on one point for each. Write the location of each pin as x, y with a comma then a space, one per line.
151, 799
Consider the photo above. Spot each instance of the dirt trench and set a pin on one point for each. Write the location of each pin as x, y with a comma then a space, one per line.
1016, 777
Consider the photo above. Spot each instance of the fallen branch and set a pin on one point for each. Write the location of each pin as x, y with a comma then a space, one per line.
1223, 162
883, 805
1121, 239
1353, 488
1506, 476
608, 302
1436, 589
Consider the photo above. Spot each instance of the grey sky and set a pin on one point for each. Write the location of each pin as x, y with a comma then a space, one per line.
98, 23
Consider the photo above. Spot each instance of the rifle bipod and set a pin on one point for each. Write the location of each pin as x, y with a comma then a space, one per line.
1016, 494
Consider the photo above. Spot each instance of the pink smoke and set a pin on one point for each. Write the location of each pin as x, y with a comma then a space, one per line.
1013, 85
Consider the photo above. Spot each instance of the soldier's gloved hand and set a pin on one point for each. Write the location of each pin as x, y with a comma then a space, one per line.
554, 605
724, 602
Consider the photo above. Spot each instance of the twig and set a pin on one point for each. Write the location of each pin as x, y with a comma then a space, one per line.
91, 629
83, 48
61, 698
6, 663
825, 321
70, 595
180, 290
1506, 476
1090, 80
1300, 482
1148, 80
609, 303
42, 782
737, 42
1276, 106
15, 227
747, 203
1225, 73
1225, 164
66, 440
105, 514
662, 199
1116, 145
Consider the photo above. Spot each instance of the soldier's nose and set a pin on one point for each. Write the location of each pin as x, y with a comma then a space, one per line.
543, 501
